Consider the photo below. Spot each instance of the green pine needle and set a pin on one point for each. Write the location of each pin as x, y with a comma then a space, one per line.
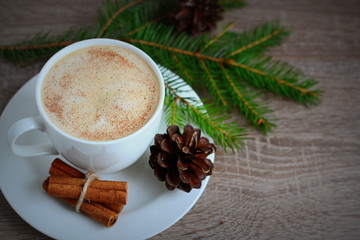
255, 42
232, 66
278, 77
183, 109
43, 45
243, 98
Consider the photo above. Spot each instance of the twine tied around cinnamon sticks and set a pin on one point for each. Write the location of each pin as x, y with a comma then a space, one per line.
102, 200
89, 176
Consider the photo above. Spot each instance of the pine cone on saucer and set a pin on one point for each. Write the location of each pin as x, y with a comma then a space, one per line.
197, 16
180, 159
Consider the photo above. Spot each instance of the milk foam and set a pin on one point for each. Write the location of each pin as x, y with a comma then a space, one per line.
100, 93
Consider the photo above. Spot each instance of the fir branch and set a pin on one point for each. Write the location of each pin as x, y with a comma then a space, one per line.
218, 36
228, 135
256, 77
115, 15
249, 68
294, 86
146, 25
174, 50
183, 69
256, 41
229, 64
127, 17
173, 112
44, 45
213, 86
244, 101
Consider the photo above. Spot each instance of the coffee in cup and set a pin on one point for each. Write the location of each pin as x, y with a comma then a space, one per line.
100, 93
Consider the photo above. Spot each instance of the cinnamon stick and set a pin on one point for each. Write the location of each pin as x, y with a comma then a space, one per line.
98, 191
94, 210
67, 177
60, 168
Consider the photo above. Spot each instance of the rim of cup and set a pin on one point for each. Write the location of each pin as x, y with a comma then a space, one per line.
98, 42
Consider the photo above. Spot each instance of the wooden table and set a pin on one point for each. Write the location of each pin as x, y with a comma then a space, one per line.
302, 181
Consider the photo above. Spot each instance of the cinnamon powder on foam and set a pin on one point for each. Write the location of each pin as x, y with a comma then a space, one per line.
100, 93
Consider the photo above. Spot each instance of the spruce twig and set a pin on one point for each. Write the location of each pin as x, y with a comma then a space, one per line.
114, 15
181, 110
43, 45
232, 66
243, 99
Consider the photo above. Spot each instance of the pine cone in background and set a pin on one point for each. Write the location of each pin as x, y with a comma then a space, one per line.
197, 16
180, 159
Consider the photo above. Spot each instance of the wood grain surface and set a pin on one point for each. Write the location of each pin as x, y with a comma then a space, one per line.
302, 181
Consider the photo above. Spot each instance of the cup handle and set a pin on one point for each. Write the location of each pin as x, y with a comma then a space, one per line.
21, 127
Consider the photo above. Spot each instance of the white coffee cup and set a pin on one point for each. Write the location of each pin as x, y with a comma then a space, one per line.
98, 156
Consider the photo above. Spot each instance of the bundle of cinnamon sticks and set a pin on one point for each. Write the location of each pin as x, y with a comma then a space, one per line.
103, 200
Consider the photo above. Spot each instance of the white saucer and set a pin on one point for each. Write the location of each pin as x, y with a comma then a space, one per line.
151, 208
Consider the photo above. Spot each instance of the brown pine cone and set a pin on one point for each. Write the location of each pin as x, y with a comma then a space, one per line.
180, 159
197, 16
